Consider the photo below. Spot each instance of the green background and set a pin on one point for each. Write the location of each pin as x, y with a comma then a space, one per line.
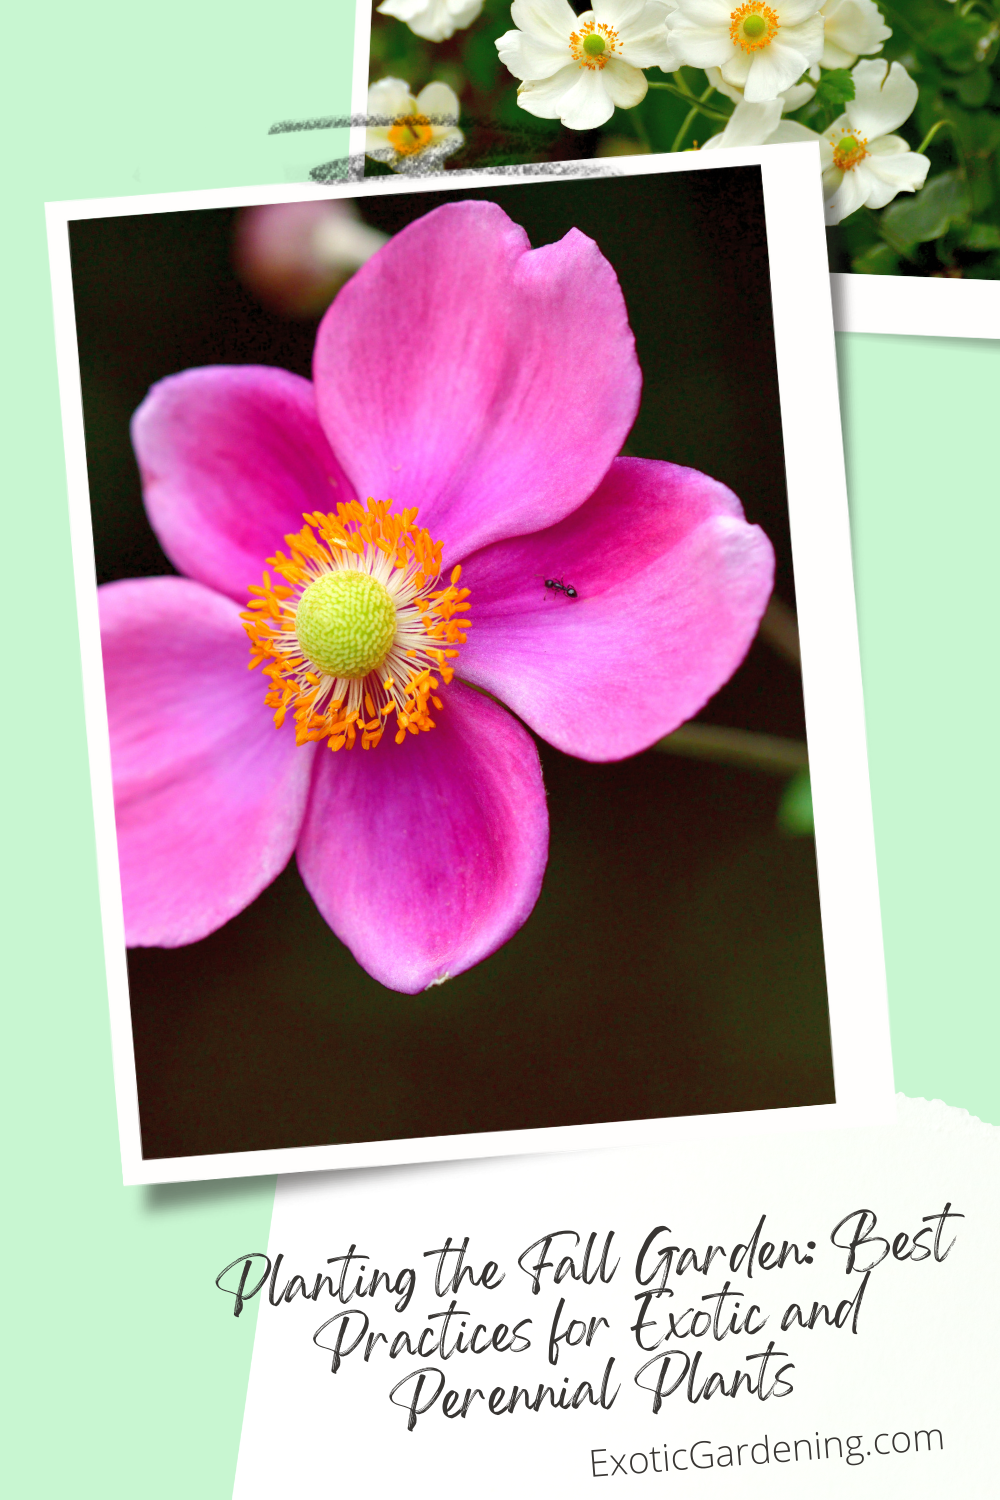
125, 1375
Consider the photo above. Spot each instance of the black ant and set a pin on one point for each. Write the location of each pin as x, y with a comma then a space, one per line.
559, 587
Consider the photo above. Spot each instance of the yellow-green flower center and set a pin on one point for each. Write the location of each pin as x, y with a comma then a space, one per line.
753, 25
593, 44
345, 623
848, 151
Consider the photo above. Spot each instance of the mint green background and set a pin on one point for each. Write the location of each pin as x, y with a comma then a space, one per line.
125, 1372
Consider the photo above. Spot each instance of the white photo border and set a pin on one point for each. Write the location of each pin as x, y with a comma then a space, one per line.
821, 550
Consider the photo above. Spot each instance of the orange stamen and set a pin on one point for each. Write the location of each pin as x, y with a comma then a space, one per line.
407, 561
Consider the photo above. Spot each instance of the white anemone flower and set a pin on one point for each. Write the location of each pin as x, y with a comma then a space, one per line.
863, 162
412, 135
851, 29
434, 20
578, 68
760, 48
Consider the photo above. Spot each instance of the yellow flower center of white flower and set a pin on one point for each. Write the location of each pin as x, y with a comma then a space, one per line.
593, 44
753, 26
848, 150
360, 630
410, 133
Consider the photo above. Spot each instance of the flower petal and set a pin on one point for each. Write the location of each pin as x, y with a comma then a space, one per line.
672, 582
704, 48
231, 456
749, 125
575, 95
892, 171
484, 382
883, 98
781, 65
794, 12
643, 37
849, 195
390, 98
209, 796
439, 104
549, 21
426, 857
531, 57
626, 86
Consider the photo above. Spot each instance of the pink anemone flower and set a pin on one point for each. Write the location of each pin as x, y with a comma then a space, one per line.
488, 387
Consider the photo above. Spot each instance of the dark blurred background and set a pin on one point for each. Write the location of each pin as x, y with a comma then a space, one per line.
674, 963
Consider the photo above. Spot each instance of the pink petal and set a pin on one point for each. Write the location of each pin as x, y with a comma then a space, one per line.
209, 796
672, 582
231, 456
487, 383
426, 857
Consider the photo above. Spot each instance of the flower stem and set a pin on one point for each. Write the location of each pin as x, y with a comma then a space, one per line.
690, 117
930, 136
697, 106
737, 747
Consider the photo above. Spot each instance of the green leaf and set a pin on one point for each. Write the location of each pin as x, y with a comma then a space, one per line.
928, 214
879, 260
835, 87
982, 237
795, 810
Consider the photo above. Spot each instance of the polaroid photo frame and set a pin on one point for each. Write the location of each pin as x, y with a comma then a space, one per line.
684, 1318
950, 52
858, 1086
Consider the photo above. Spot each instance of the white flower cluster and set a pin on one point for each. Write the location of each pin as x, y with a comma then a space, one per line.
766, 56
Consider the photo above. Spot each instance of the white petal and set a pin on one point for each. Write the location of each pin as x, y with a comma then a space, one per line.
799, 94
626, 85
888, 145
715, 78
854, 27
883, 98
621, 14
806, 37
834, 57
894, 172
713, 14
737, 70
849, 196
751, 124
439, 104
529, 58
794, 12
389, 99
789, 131
575, 95
430, 19
645, 40
464, 12
773, 69
548, 21
701, 47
